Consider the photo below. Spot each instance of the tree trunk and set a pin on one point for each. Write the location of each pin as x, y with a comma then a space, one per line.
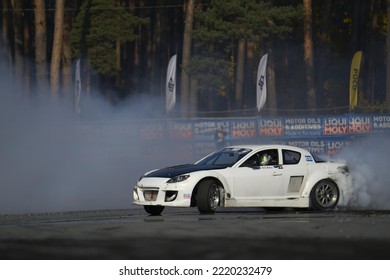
308, 56
5, 47
118, 81
40, 45
250, 75
26, 52
324, 50
375, 55
18, 35
155, 86
57, 49
187, 41
67, 84
240, 74
193, 97
271, 84
388, 59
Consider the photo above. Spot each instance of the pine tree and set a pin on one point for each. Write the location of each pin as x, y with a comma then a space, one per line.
221, 27
99, 26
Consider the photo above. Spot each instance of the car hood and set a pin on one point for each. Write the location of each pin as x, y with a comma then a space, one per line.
173, 171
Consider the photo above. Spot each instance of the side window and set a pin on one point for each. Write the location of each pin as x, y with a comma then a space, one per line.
269, 157
252, 161
291, 157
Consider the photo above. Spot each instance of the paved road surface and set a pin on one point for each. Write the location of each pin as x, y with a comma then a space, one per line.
185, 234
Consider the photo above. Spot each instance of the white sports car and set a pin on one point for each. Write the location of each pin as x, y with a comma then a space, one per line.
266, 176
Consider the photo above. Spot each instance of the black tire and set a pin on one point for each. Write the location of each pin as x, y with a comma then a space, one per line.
208, 197
324, 195
153, 210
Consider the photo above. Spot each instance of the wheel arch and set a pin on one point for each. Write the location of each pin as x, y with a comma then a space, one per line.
315, 179
322, 179
195, 190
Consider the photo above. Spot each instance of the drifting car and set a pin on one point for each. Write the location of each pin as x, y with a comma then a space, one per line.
268, 176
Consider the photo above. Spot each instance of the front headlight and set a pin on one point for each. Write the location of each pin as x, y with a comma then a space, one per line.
178, 179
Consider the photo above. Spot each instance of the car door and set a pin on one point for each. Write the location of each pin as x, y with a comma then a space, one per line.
256, 179
294, 173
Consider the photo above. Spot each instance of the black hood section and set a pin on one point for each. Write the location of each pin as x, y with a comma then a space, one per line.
173, 171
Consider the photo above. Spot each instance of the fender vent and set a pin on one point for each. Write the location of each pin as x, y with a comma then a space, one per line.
295, 184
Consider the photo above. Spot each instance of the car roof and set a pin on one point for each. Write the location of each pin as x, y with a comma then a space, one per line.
269, 146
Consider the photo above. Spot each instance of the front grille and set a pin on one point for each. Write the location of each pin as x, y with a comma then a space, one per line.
150, 195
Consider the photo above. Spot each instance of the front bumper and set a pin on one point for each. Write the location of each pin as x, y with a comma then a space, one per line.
151, 192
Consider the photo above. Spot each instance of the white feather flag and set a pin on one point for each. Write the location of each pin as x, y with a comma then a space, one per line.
171, 84
261, 84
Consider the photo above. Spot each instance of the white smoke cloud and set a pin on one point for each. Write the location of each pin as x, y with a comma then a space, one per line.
54, 160
368, 185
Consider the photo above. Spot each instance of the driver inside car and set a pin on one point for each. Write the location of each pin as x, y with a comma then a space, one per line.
265, 159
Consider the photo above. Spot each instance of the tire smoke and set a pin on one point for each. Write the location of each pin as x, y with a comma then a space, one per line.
368, 185
55, 160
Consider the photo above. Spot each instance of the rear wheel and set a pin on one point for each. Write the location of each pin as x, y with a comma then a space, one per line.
208, 197
153, 210
324, 195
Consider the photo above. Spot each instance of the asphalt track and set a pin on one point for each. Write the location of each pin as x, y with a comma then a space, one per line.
186, 234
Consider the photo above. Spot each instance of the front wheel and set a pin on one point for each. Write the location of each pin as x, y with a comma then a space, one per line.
153, 210
208, 197
324, 195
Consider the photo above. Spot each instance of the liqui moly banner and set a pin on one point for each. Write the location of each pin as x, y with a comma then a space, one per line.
152, 130
243, 129
261, 85
170, 88
360, 124
180, 129
334, 146
335, 125
272, 127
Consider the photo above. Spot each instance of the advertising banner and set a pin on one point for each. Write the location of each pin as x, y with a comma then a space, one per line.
334, 146
381, 123
359, 124
335, 125
207, 129
152, 131
313, 145
243, 129
303, 126
180, 130
318, 134
271, 127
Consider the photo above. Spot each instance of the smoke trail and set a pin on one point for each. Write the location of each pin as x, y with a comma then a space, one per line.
368, 186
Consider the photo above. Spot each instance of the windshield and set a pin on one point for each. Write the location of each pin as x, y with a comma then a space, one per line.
226, 157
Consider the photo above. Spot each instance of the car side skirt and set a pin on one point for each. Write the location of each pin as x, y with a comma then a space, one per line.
302, 202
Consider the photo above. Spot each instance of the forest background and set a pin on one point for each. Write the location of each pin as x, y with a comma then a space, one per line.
125, 46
